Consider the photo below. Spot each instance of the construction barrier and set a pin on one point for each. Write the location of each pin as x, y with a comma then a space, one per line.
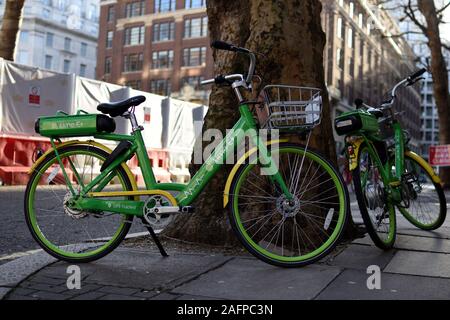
27, 93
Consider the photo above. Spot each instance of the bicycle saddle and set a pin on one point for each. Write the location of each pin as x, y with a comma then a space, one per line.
116, 109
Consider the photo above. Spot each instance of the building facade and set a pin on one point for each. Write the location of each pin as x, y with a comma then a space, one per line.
59, 35
155, 45
363, 60
160, 45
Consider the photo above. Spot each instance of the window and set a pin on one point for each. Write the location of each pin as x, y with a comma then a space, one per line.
83, 50
162, 59
134, 84
339, 28
164, 31
351, 67
192, 81
135, 9
360, 20
351, 9
194, 56
134, 36
83, 70
49, 39
109, 39
111, 13
48, 62
195, 28
133, 62
108, 65
45, 13
340, 58
164, 5
67, 44
350, 38
190, 4
66, 67
24, 36
162, 87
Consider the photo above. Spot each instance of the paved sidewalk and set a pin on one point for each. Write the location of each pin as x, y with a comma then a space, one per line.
417, 268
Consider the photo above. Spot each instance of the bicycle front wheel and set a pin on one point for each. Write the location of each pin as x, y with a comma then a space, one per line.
376, 209
289, 233
426, 207
65, 233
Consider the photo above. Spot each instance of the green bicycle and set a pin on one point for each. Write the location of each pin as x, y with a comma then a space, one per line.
288, 205
386, 174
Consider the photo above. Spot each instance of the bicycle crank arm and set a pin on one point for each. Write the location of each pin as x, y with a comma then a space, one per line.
171, 210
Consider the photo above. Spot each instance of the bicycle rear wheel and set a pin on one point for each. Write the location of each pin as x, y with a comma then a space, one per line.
376, 209
289, 233
426, 205
67, 234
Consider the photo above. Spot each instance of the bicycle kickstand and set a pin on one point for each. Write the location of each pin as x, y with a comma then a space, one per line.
156, 240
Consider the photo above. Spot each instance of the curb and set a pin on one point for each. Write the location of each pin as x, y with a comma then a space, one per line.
14, 272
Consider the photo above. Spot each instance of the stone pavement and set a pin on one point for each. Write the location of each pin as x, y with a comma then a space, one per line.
417, 268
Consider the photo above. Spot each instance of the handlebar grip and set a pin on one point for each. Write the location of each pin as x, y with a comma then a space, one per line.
417, 74
222, 45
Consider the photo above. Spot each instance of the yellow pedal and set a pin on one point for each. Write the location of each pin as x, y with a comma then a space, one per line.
395, 183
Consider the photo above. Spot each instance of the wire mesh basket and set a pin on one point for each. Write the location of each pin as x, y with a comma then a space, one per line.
290, 107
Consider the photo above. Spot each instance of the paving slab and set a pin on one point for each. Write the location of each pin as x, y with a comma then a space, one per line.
139, 269
244, 279
352, 285
417, 243
360, 257
420, 263
441, 233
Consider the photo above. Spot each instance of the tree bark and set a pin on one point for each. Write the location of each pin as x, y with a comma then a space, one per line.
289, 37
10, 28
440, 76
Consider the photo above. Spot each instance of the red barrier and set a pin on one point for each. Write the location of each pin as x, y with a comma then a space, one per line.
18, 153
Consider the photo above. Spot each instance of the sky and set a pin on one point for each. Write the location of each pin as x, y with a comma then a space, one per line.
445, 28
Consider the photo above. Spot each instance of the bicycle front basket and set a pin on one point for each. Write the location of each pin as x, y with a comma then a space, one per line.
290, 108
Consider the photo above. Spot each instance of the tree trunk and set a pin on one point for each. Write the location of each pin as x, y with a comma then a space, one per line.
440, 77
289, 36
10, 28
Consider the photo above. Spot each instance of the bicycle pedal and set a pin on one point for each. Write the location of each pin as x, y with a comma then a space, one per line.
409, 177
395, 183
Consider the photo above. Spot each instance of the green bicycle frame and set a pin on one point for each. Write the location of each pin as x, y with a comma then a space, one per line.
390, 177
186, 193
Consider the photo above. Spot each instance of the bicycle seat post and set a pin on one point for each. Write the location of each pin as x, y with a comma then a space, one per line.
132, 117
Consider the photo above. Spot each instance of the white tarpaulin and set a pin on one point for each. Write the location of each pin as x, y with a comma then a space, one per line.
28, 93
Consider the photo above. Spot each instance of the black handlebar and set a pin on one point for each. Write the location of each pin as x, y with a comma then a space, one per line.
222, 45
417, 74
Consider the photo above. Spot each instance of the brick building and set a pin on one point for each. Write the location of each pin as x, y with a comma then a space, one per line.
154, 45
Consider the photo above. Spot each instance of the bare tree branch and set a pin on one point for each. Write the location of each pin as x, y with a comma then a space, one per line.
409, 11
399, 35
443, 8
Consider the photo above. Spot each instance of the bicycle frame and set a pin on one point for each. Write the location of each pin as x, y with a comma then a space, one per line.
392, 180
86, 199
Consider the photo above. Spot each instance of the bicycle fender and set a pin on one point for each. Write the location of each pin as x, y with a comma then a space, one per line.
233, 172
353, 158
425, 165
90, 143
